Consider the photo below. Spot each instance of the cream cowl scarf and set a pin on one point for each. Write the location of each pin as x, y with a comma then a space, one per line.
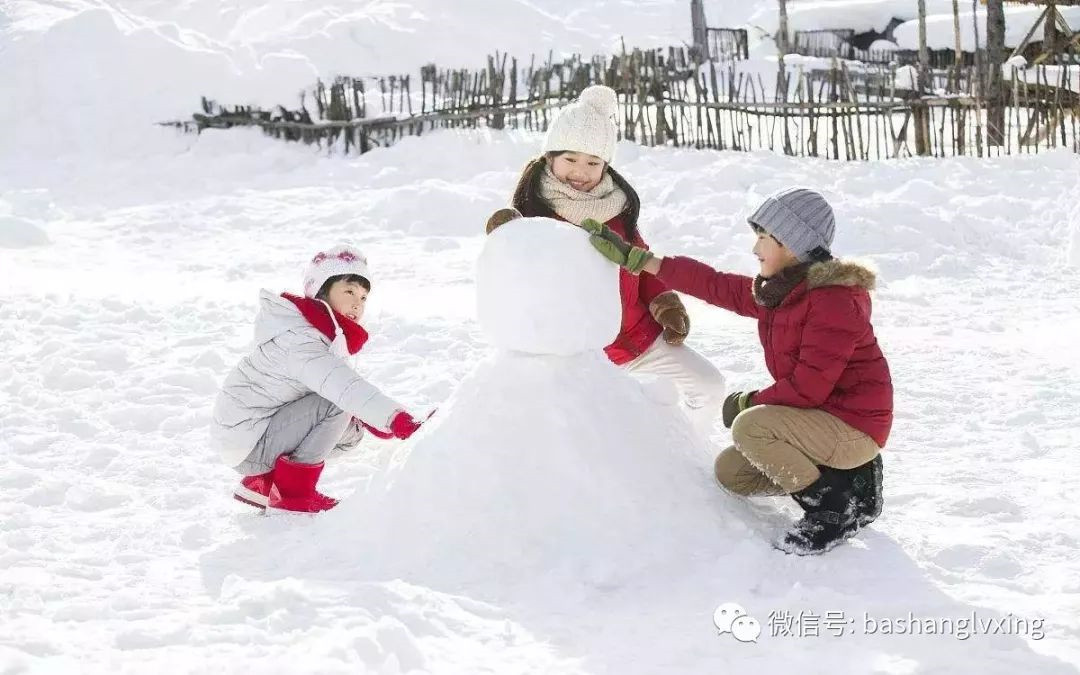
602, 203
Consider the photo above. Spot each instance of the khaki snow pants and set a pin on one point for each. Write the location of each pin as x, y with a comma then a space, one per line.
778, 449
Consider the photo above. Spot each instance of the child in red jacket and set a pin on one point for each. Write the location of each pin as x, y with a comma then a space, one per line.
816, 432
573, 181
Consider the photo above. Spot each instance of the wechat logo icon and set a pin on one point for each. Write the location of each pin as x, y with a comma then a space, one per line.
730, 617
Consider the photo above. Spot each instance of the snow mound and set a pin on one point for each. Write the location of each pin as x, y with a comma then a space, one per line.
120, 75
907, 77
20, 233
544, 468
858, 15
542, 289
940, 33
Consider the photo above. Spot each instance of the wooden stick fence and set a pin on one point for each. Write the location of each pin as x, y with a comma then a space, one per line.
850, 111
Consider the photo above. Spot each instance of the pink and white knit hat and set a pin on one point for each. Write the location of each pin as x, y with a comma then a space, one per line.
341, 259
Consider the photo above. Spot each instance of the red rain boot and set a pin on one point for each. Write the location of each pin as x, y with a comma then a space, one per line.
254, 490
294, 488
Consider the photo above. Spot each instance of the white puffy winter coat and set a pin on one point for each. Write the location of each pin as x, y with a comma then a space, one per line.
290, 359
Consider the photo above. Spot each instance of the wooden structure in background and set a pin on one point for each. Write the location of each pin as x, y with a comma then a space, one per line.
667, 98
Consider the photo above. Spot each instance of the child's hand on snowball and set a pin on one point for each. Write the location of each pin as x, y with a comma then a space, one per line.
403, 425
613, 247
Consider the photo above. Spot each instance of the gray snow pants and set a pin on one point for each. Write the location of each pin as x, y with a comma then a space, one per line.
306, 429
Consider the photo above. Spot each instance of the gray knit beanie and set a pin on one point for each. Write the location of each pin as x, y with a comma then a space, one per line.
798, 218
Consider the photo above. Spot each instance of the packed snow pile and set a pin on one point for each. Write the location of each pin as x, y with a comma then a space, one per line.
941, 34
540, 291
858, 15
87, 78
906, 77
1067, 76
20, 232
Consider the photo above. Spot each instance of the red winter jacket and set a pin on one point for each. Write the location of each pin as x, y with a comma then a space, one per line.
639, 329
819, 344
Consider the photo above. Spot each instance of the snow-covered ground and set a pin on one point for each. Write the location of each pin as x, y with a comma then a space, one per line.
133, 296
130, 260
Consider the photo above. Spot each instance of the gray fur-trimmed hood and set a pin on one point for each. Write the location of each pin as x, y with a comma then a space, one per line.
838, 272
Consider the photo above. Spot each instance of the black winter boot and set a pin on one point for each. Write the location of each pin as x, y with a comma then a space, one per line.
866, 481
830, 517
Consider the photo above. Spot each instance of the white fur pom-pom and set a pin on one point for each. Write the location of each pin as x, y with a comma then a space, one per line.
600, 98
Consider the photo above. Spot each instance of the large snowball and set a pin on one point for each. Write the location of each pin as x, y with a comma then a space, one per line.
543, 289
542, 473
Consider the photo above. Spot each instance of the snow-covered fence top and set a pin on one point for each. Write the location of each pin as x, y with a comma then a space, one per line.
819, 108
857, 15
941, 34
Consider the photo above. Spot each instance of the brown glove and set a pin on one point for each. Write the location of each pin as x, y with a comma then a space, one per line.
500, 217
670, 313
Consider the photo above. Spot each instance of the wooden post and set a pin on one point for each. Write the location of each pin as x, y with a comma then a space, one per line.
782, 47
995, 53
919, 112
782, 44
1050, 29
958, 47
700, 30
979, 84
924, 53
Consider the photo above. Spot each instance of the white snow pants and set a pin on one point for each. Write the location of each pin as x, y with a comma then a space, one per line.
699, 382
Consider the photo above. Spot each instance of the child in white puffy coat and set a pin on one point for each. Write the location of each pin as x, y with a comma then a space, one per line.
289, 402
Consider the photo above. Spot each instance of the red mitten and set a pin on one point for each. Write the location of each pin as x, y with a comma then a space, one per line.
403, 425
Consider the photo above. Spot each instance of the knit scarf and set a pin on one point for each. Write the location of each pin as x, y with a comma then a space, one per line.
326, 321
769, 293
602, 203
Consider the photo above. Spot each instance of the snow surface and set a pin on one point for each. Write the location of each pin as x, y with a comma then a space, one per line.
19, 232
123, 552
1073, 256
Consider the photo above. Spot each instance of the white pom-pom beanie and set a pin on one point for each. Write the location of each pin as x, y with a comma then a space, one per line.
586, 125
341, 259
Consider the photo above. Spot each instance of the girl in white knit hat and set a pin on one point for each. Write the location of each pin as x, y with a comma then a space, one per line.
574, 181
291, 401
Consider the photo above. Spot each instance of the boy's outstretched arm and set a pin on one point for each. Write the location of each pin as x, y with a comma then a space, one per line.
733, 292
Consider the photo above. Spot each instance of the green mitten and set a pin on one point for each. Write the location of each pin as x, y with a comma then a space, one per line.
736, 403
615, 248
